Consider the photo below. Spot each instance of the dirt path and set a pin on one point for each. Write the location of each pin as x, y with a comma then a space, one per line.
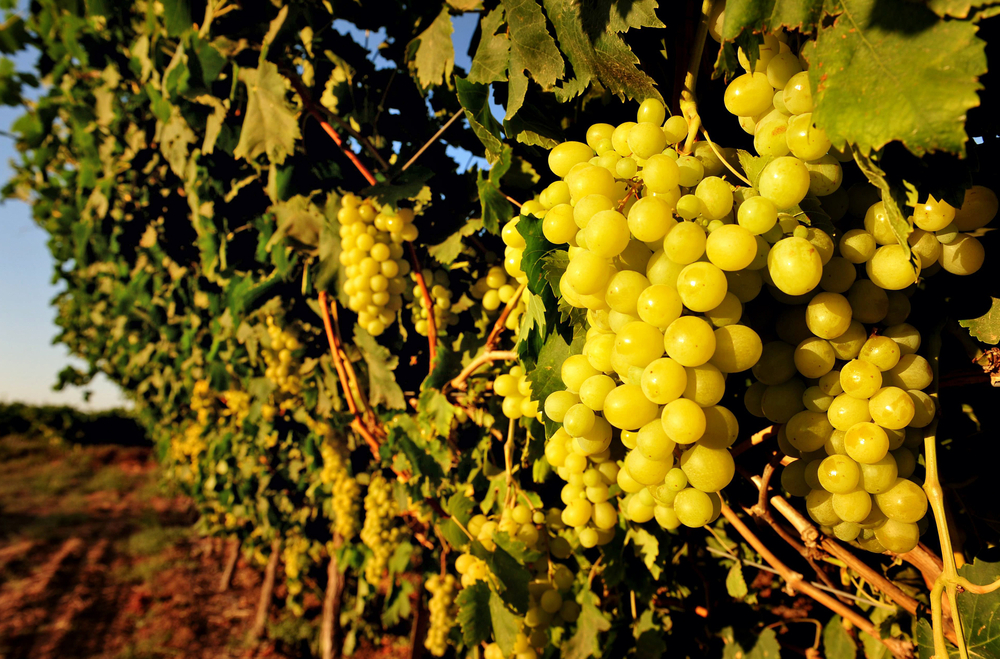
96, 562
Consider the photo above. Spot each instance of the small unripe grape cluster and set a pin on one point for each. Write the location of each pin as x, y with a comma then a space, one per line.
371, 241
379, 532
437, 283
441, 608
279, 357
345, 500
496, 288
519, 523
515, 388
297, 554
237, 405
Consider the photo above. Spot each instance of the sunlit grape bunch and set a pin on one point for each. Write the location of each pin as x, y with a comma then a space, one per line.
345, 500
237, 405
371, 240
442, 613
496, 289
297, 554
438, 286
379, 532
279, 357
515, 388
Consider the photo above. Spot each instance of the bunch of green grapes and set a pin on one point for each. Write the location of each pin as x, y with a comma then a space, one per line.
371, 244
442, 613
345, 491
297, 554
663, 268
496, 289
520, 523
282, 367
438, 287
379, 533
515, 388
550, 604
237, 405
471, 569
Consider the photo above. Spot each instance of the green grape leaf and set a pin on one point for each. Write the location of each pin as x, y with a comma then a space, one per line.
837, 643
606, 58
447, 251
535, 249
532, 48
513, 576
648, 633
475, 102
493, 53
13, 36
271, 124
647, 546
979, 612
176, 17
397, 603
435, 54
533, 330
892, 198
553, 266
466, 5
176, 137
585, 641
297, 218
516, 548
526, 129
434, 412
400, 443
505, 624
736, 585
872, 646
986, 328
769, 15
381, 364
496, 209
546, 376
405, 186
911, 77
474, 613
959, 8
752, 165
766, 647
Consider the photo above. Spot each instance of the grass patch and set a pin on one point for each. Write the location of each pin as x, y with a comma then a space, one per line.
153, 540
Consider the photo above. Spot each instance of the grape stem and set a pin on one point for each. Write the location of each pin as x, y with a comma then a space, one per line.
490, 356
356, 424
266, 594
317, 113
508, 457
688, 101
331, 607
498, 327
796, 583
812, 538
418, 274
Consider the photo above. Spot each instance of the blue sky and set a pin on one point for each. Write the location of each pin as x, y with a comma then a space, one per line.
29, 362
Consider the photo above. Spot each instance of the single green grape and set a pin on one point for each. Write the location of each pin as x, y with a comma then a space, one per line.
627, 408
853, 506
737, 348
795, 266
708, 469
904, 502
839, 474
785, 181
828, 315
683, 421
891, 407
866, 442
860, 379
693, 508
808, 431
701, 286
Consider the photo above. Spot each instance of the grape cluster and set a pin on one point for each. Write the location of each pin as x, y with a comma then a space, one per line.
279, 358
442, 613
371, 241
664, 300
237, 405
496, 289
438, 287
297, 554
379, 533
515, 388
471, 569
345, 491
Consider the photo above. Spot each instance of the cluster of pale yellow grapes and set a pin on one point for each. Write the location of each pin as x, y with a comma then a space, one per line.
344, 489
237, 405
371, 241
442, 613
496, 288
515, 388
297, 554
279, 358
379, 533
521, 523
441, 296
